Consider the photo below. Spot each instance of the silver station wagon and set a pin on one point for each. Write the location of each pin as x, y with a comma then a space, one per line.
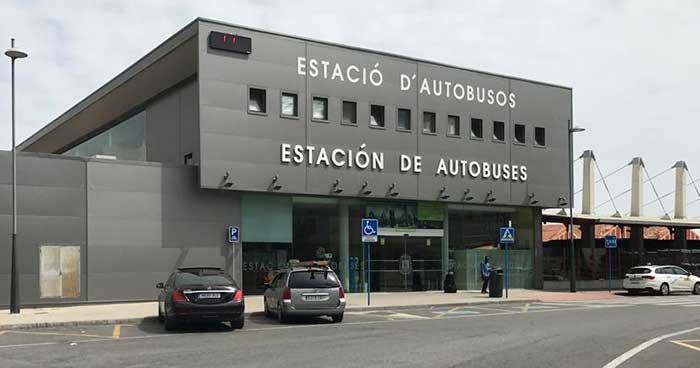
306, 289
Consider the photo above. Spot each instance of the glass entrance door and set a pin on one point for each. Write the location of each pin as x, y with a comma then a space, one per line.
406, 263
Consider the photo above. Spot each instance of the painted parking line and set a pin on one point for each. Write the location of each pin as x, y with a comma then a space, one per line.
641, 347
406, 316
690, 344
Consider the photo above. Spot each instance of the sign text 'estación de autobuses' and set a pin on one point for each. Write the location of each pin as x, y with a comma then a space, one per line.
362, 159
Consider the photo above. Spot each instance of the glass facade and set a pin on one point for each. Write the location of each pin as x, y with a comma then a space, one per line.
410, 251
125, 141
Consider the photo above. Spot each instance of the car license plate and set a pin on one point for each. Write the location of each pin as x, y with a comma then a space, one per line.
315, 298
209, 295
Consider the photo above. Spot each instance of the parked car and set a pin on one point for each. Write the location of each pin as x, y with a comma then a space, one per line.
200, 293
661, 279
308, 289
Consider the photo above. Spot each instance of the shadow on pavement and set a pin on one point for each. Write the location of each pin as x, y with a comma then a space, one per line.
155, 327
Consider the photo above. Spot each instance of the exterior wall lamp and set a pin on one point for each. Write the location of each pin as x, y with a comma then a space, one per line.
532, 199
392, 192
336, 187
467, 197
227, 182
444, 195
364, 189
275, 185
490, 197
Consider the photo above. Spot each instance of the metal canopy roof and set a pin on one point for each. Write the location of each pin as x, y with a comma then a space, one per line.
555, 215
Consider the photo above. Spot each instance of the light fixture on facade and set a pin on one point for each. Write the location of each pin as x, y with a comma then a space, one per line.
364, 189
275, 183
336, 187
467, 197
392, 191
490, 197
562, 202
532, 199
227, 182
444, 195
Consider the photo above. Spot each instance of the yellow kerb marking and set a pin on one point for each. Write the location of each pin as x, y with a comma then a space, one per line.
116, 331
449, 311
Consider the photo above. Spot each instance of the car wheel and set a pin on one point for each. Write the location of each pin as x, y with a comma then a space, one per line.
266, 308
696, 288
170, 323
664, 289
237, 324
281, 316
337, 318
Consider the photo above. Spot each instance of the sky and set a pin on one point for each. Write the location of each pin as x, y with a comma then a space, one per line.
634, 65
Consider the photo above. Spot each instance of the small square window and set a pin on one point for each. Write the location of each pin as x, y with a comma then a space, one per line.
540, 136
257, 100
429, 122
349, 112
404, 119
499, 131
519, 135
453, 125
290, 106
320, 108
376, 116
477, 130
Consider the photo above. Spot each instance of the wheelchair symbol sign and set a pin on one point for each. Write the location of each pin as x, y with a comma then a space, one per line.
370, 230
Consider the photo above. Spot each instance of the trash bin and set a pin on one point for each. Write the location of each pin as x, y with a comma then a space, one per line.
450, 286
496, 283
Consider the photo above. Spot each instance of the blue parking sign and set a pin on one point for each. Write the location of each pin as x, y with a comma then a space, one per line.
234, 234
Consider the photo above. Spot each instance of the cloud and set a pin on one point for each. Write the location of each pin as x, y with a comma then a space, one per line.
632, 64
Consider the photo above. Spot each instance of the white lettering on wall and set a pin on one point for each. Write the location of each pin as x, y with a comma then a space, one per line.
364, 159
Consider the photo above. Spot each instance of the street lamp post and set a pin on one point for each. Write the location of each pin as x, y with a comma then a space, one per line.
572, 267
13, 54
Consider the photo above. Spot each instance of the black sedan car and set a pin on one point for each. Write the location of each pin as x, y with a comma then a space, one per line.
200, 294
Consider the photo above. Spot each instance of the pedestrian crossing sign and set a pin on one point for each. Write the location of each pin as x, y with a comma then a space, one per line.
507, 235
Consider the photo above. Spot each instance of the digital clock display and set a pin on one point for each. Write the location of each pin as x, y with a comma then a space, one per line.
230, 42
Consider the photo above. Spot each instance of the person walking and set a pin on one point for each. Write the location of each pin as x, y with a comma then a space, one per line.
485, 274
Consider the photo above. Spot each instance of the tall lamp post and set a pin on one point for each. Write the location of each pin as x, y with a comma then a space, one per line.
14, 54
572, 268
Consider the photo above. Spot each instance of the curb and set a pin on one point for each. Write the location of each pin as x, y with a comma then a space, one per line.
25, 326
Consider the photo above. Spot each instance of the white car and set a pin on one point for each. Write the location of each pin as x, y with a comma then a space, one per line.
661, 279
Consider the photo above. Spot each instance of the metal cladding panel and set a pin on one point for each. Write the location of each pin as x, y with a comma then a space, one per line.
142, 229
249, 145
245, 144
439, 146
51, 210
548, 171
332, 134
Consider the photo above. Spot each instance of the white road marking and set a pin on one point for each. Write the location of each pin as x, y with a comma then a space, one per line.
406, 315
639, 348
23, 345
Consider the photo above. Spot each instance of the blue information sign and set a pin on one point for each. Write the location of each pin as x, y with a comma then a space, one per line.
234, 234
610, 241
507, 235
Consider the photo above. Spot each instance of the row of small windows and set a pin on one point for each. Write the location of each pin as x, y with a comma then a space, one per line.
289, 107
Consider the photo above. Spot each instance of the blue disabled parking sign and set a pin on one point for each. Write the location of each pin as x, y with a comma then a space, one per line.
507, 235
370, 230
234, 234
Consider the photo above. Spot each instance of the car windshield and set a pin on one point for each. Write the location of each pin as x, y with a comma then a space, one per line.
193, 279
313, 280
639, 270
